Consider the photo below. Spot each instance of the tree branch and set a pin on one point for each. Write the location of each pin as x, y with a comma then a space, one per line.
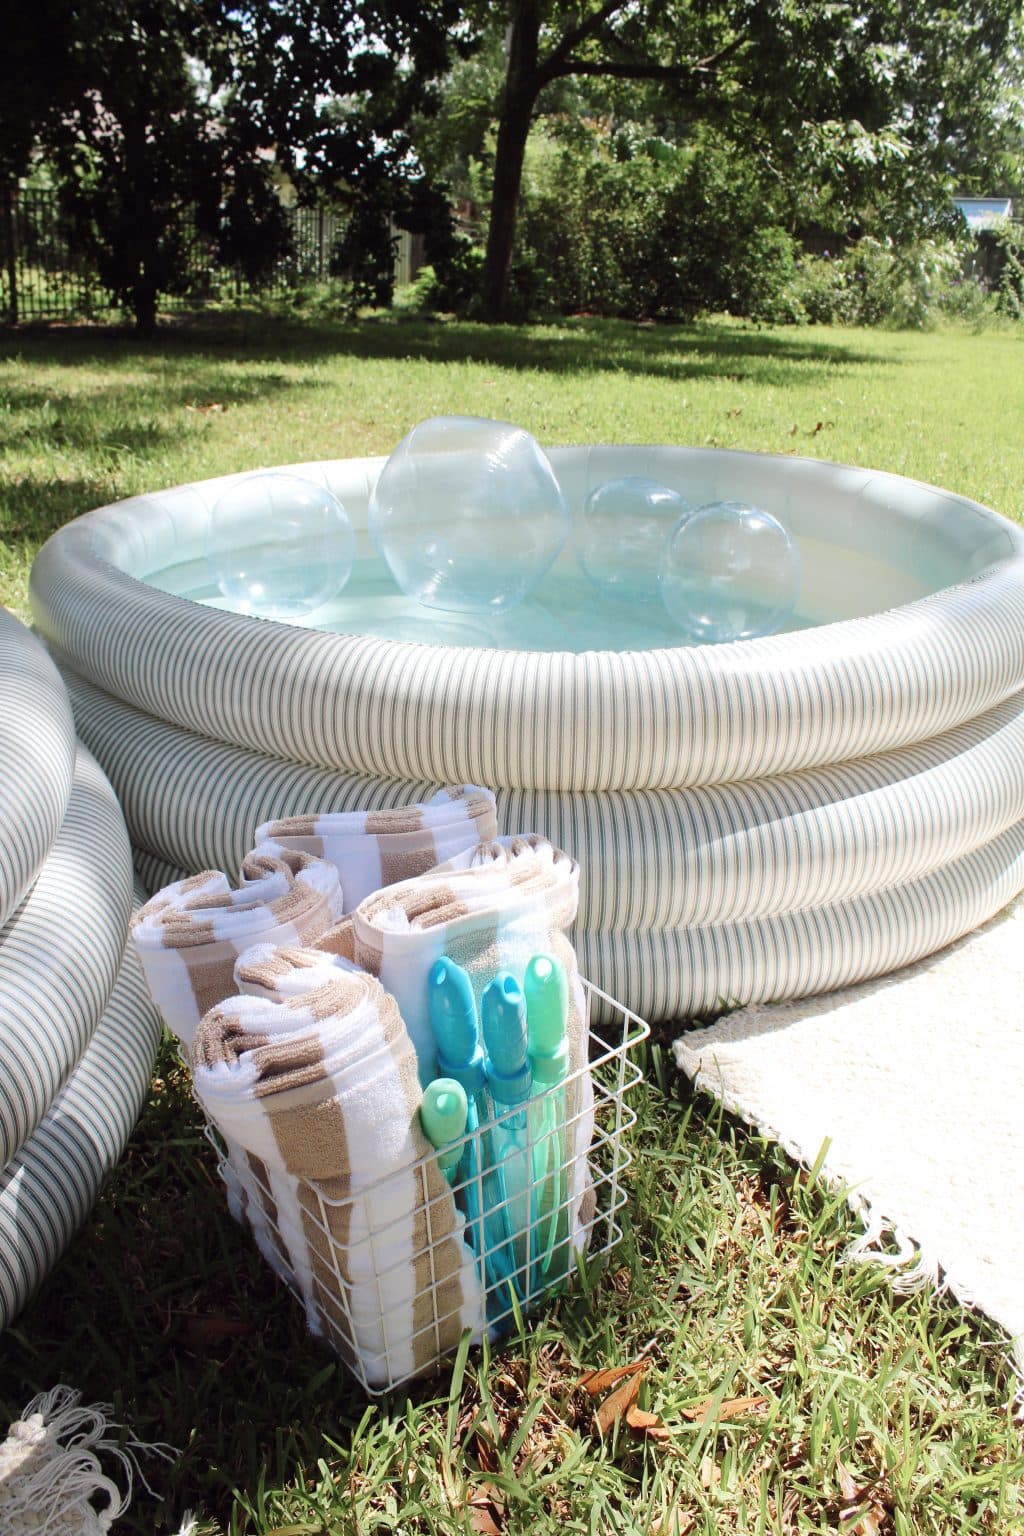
554, 65
642, 69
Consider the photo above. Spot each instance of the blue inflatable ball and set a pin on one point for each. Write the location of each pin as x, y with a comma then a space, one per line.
622, 533
468, 515
730, 572
279, 546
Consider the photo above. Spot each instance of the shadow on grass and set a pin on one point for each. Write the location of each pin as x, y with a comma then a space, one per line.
711, 349
121, 415
163, 1308
105, 428
35, 504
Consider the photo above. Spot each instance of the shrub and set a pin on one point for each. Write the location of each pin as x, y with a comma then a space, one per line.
876, 282
649, 229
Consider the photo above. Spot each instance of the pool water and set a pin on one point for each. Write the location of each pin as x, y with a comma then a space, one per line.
565, 612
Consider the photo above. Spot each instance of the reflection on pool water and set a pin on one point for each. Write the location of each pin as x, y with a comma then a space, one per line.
565, 613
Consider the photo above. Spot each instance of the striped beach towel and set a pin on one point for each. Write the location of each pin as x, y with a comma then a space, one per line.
490, 908
316, 1091
190, 934
371, 849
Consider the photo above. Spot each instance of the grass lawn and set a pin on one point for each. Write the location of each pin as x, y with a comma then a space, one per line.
87, 417
799, 1394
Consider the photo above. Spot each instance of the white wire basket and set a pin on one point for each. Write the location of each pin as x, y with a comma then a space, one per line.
515, 1249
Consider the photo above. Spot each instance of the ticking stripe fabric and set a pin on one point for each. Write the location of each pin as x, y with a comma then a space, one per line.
47, 1190
196, 804
374, 848
60, 953
599, 720
689, 898
720, 799
317, 1097
691, 972
713, 854
77, 1034
37, 759
189, 935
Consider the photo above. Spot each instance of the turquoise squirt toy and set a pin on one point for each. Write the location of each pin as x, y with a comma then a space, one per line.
451, 1008
443, 1115
546, 989
503, 1011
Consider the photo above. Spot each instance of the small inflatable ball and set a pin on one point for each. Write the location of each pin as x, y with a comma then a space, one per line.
730, 572
468, 515
622, 532
279, 546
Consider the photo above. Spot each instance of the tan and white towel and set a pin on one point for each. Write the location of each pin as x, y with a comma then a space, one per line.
490, 908
319, 1098
280, 972
371, 849
189, 935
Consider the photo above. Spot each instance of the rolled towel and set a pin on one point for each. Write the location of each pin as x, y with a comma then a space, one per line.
280, 972
371, 849
490, 909
340, 1185
189, 935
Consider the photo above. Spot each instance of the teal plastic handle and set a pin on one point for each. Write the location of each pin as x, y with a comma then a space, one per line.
546, 989
509, 1074
451, 1007
443, 1115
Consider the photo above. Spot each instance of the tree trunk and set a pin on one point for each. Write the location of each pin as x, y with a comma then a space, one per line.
522, 87
144, 297
139, 231
11, 248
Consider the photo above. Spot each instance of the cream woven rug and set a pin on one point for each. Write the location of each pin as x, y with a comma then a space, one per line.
916, 1081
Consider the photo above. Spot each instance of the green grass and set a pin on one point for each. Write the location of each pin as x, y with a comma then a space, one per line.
89, 416
729, 1280
882, 1415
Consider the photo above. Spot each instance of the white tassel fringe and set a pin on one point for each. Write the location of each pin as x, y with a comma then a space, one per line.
50, 1472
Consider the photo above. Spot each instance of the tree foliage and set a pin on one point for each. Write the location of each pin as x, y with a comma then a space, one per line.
689, 148
867, 108
167, 119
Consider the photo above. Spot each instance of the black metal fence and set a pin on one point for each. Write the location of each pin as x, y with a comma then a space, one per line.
45, 275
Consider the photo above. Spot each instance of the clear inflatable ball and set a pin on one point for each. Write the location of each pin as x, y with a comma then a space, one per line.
622, 532
730, 572
279, 546
467, 514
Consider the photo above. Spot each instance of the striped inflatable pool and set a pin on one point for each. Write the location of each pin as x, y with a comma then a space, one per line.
77, 1032
755, 821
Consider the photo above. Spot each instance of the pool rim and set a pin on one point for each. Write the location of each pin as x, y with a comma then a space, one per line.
403, 709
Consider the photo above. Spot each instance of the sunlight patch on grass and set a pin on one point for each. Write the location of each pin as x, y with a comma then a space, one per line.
871, 1413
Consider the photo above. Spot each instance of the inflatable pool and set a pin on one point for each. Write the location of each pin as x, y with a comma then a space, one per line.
77, 1031
755, 820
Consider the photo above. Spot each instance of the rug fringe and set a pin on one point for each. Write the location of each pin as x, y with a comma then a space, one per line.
50, 1471
911, 1267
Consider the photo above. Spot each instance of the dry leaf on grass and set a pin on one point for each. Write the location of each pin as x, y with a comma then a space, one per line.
486, 1454
621, 1404
204, 1329
645, 1423
710, 1473
860, 1514
596, 1382
486, 1510
618, 1403
731, 1408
